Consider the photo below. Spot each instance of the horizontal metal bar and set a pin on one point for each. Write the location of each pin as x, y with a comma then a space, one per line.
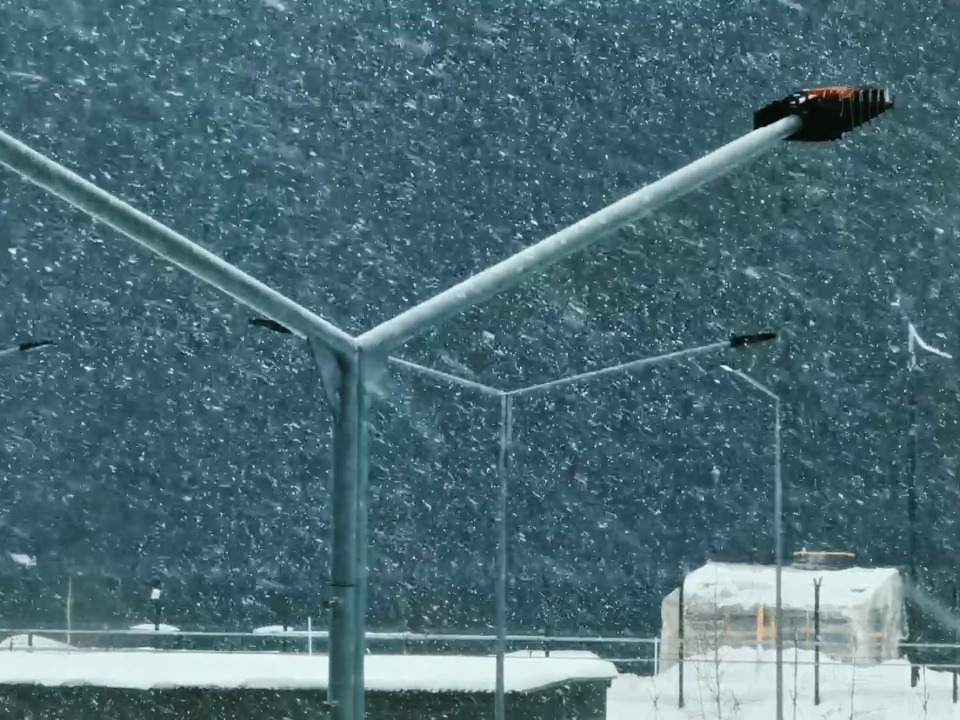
323, 634
126, 633
168, 244
445, 377
621, 368
575, 238
756, 384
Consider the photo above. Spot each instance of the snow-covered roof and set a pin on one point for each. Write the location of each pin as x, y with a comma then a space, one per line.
733, 586
156, 670
277, 630
23, 559
151, 627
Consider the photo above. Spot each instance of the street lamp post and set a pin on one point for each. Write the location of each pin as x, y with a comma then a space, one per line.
811, 115
506, 397
913, 366
777, 525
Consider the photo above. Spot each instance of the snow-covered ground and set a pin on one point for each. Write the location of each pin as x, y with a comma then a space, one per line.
731, 685
146, 669
741, 688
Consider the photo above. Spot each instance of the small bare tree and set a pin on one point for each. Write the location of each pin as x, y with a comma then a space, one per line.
796, 666
708, 646
925, 697
715, 626
655, 700
853, 677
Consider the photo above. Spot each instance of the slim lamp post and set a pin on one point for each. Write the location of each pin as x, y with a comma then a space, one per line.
913, 366
777, 525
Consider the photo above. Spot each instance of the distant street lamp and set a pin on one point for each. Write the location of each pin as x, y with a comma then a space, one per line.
735, 342
913, 437
777, 524
913, 366
24, 347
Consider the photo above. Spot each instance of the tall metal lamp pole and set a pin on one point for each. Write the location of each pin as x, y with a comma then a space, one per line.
913, 365
777, 524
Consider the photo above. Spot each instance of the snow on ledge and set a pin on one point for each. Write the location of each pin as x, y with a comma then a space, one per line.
159, 670
151, 627
277, 630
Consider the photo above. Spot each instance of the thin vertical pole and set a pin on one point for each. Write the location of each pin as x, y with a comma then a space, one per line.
913, 616
69, 608
816, 641
547, 619
346, 625
778, 533
956, 640
363, 464
680, 649
506, 432
912, 488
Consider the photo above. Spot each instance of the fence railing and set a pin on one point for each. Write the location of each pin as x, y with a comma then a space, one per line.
314, 640
311, 641
636, 656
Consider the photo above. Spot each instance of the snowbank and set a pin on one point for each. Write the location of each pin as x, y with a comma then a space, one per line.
739, 685
146, 670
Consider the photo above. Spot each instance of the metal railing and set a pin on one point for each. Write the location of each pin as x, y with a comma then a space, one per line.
408, 639
638, 656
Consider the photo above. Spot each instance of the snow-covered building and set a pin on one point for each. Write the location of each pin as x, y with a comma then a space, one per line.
733, 605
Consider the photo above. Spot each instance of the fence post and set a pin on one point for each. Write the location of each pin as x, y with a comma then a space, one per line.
545, 602
656, 656
956, 639
680, 645
70, 609
816, 640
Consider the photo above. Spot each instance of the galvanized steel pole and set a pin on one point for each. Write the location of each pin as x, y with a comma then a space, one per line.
506, 436
347, 632
778, 534
348, 556
777, 528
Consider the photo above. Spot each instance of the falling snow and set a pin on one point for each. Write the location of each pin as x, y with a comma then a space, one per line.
360, 157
